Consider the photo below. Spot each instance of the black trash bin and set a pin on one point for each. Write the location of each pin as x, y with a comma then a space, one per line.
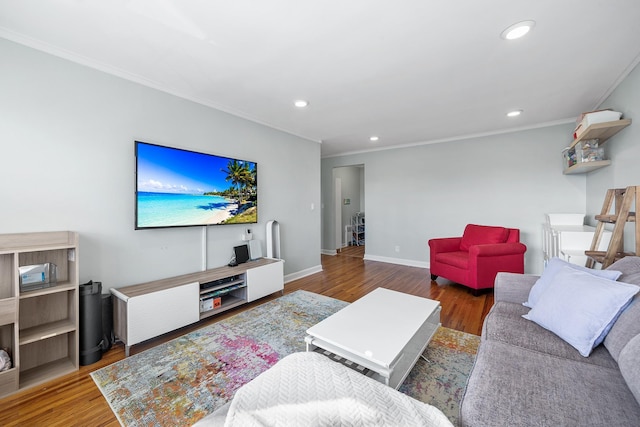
90, 323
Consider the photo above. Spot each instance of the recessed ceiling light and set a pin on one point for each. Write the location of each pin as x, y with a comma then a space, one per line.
517, 30
374, 138
301, 103
514, 113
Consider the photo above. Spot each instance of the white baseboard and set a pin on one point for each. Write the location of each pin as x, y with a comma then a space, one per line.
303, 273
400, 261
331, 252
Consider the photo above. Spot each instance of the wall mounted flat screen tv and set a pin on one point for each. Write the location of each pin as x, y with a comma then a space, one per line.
181, 188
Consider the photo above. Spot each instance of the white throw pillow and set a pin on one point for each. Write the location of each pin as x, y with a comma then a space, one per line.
579, 307
553, 266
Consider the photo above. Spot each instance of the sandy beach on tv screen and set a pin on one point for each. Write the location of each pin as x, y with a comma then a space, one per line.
223, 215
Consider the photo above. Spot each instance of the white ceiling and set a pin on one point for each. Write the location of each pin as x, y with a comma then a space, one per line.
409, 71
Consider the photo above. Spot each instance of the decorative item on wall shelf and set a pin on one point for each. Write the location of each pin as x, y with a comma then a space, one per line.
589, 118
586, 152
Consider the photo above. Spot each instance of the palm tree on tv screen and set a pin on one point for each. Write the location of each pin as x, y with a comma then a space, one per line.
242, 178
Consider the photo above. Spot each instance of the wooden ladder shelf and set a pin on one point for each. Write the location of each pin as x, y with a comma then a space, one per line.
621, 200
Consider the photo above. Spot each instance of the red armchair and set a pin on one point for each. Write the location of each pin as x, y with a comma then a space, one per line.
474, 259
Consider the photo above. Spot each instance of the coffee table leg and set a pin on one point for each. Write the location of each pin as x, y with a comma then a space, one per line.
310, 347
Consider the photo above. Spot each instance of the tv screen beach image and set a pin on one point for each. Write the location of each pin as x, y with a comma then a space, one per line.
178, 188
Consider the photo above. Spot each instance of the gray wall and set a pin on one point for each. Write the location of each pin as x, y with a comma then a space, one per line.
417, 193
623, 150
67, 163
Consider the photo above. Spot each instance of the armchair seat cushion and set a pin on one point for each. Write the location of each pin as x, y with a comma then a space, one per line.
459, 259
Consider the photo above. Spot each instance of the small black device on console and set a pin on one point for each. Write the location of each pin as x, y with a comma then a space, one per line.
242, 253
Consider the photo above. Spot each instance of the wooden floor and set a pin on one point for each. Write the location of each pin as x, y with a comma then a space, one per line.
74, 400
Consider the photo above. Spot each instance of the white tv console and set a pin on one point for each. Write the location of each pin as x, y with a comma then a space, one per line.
146, 310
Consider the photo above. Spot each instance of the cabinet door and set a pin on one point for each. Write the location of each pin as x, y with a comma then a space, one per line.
264, 280
160, 312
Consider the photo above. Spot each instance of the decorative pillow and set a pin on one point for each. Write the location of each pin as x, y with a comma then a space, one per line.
553, 266
579, 307
482, 235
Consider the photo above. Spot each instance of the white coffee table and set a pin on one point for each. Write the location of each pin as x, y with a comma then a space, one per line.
385, 331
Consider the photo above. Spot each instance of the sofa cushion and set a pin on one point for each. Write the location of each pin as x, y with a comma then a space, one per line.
630, 365
505, 323
580, 307
630, 269
513, 287
626, 327
482, 235
458, 259
553, 267
509, 386
628, 324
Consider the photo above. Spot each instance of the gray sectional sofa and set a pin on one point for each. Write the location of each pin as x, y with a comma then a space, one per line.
525, 375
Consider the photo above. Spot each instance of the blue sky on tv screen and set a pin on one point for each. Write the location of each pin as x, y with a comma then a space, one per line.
170, 170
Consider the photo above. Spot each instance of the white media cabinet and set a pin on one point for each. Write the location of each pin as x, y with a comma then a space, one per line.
146, 310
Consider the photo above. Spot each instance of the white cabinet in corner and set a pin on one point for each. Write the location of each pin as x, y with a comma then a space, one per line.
265, 280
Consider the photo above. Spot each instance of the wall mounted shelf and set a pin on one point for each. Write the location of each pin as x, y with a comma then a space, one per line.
586, 167
602, 132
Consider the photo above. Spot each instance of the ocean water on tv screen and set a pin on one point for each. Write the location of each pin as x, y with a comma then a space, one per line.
165, 209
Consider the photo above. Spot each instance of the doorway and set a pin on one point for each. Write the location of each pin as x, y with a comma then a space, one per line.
349, 202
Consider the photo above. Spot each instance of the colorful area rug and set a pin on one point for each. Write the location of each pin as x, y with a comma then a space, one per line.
441, 381
183, 380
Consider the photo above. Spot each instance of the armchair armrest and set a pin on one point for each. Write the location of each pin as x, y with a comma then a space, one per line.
445, 244
497, 249
485, 261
